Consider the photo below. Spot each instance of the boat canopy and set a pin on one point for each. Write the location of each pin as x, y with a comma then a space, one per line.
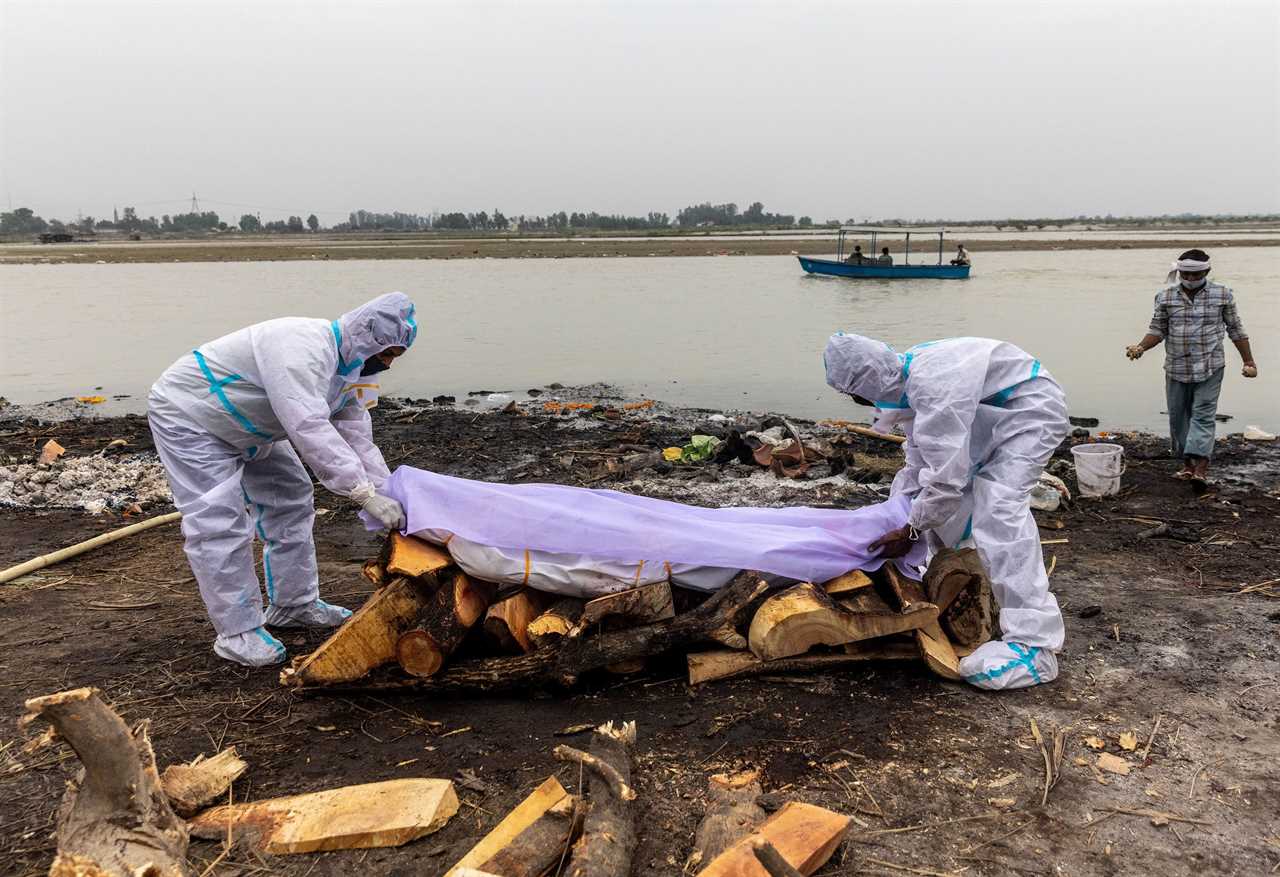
888, 229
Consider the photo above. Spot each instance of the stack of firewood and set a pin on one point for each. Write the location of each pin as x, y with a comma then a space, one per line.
449, 631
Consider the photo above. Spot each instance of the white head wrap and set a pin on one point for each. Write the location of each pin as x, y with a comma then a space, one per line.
1188, 265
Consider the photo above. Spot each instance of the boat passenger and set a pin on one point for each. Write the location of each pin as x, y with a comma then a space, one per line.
962, 256
856, 257
884, 258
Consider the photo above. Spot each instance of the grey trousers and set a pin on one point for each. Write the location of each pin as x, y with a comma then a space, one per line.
1192, 406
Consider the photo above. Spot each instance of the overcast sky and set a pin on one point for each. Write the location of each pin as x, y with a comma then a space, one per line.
884, 109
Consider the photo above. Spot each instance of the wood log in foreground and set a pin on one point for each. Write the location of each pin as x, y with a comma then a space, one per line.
359, 817
608, 839
730, 664
644, 604
935, 647
804, 836
803, 616
554, 624
526, 814
732, 813
540, 847
506, 623
957, 584
714, 620
443, 623
116, 818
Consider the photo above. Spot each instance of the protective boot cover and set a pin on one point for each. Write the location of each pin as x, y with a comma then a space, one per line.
1001, 664
798, 543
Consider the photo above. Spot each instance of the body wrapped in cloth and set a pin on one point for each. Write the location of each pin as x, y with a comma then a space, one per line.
586, 543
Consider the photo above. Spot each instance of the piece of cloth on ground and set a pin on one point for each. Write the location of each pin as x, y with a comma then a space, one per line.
798, 543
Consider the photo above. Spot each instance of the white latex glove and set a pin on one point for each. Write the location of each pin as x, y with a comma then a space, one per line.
386, 511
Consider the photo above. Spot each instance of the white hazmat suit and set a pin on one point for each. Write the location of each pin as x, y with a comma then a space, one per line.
230, 421
982, 418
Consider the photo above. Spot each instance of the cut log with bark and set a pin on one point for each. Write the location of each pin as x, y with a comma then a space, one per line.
641, 605
803, 616
732, 814
555, 622
804, 836
730, 663
851, 581
115, 820
366, 640
935, 647
412, 557
193, 786
374, 572
442, 624
540, 847
712, 621
384, 814
958, 585
506, 623
526, 814
608, 839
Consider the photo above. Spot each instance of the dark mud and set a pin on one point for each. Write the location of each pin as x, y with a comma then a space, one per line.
1157, 630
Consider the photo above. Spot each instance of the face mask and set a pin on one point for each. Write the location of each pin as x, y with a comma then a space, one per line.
372, 366
1194, 285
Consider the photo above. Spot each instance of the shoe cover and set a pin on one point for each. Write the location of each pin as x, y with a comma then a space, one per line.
253, 648
315, 614
998, 664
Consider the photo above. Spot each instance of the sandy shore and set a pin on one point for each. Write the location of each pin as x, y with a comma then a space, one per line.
419, 247
939, 777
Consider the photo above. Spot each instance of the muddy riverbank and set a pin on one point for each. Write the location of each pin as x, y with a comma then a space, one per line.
1183, 633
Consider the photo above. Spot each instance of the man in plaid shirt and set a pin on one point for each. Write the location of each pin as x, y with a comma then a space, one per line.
1191, 316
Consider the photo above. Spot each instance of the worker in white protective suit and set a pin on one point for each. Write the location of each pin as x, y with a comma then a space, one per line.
982, 418
230, 421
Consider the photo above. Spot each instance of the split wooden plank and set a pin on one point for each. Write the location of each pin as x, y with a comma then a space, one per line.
360, 817
541, 846
506, 623
554, 624
804, 835
935, 647
525, 814
365, 640
642, 605
193, 786
850, 581
730, 663
413, 557
792, 622
442, 624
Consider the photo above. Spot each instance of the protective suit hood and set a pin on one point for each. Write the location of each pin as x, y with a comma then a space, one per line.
864, 366
387, 321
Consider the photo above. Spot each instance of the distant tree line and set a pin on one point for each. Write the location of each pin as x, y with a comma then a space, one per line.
24, 220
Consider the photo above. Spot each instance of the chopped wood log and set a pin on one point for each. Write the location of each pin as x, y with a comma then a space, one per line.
958, 585
935, 647
385, 814
729, 664
442, 624
192, 787
732, 814
554, 624
641, 605
541, 846
792, 622
850, 581
608, 839
713, 620
412, 557
804, 835
116, 818
506, 623
527, 813
365, 640
374, 572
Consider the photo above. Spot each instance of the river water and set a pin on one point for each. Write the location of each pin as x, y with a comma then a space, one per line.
741, 332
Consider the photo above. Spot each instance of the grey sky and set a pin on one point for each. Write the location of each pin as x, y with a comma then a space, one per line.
836, 110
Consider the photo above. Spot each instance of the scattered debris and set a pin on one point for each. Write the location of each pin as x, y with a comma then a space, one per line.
92, 484
50, 452
384, 814
193, 786
1113, 764
1128, 741
1258, 434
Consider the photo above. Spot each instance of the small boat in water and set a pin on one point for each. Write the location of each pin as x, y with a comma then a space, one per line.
841, 266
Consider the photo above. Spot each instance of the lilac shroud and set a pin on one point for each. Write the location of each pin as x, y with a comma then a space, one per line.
812, 545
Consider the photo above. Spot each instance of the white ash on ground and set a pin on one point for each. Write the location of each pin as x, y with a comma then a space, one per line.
740, 485
92, 483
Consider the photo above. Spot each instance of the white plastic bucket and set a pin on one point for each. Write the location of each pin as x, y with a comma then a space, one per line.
1099, 466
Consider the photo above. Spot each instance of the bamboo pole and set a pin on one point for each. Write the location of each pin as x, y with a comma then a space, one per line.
871, 433
62, 554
